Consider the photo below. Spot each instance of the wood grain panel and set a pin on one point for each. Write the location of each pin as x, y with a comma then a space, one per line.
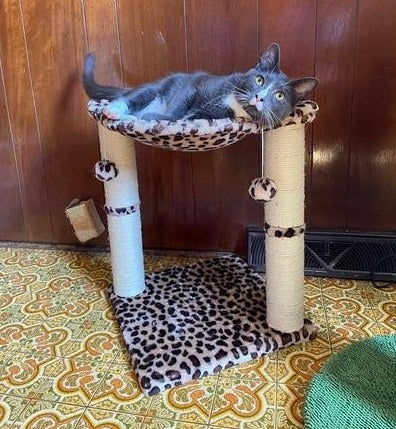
152, 35
291, 23
197, 201
12, 223
27, 144
103, 40
56, 44
222, 38
372, 178
335, 47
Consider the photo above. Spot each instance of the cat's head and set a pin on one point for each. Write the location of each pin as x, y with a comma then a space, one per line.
267, 94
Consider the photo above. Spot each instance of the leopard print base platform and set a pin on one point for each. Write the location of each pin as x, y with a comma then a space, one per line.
193, 321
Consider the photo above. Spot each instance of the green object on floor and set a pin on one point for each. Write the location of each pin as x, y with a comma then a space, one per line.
356, 389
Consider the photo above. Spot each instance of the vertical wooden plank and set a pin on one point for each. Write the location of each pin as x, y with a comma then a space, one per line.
372, 178
335, 48
21, 104
56, 46
222, 38
152, 36
12, 224
103, 40
291, 23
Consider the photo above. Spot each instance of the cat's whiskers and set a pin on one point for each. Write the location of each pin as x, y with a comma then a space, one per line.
240, 91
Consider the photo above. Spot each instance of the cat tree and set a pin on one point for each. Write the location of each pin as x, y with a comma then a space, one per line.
281, 187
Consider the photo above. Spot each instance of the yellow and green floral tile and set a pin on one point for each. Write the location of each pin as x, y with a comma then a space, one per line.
312, 286
10, 408
108, 419
300, 362
348, 318
290, 401
314, 310
191, 402
385, 312
119, 392
62, 350
154, 423
156, 263
262, 369
40, 414
15, 285
40, 339
100, 346
66, 296
236, 402
24, 374
74, 381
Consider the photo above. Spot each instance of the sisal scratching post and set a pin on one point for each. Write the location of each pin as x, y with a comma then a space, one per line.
284, 151
123, 211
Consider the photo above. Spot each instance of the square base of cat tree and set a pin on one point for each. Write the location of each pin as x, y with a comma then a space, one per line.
195, 320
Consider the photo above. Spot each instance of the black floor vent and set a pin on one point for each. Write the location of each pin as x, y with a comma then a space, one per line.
345, 255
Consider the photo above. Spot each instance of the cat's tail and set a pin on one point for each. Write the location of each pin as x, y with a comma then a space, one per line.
93, 89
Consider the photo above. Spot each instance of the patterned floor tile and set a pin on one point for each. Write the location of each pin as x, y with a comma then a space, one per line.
23, 374
120, 392
40, 339
289, 401
262, 369
299, 363
99, 346
41, 414
109, 419
63, 363
10, 409
238, 402
150, 423
190, 403
73, 381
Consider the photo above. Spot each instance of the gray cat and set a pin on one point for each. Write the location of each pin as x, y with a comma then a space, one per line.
262, 94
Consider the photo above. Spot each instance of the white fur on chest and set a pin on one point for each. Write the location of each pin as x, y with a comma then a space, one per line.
157, 106
238, 110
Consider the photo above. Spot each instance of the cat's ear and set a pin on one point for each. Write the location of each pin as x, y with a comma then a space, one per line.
269, 61
304, 86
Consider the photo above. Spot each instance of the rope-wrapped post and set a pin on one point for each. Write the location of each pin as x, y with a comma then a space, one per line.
123, 211
284, 151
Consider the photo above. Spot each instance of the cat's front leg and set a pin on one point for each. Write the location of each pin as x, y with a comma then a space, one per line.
116, 109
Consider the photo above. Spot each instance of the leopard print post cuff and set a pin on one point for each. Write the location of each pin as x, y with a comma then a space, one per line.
121, 211
276, 231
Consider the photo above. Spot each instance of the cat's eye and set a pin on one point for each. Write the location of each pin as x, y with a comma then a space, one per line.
259, 80
279, 95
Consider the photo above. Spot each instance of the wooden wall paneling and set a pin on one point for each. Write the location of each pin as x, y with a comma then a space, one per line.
291, 23
222, 38
335, 48
103, 40
26, 136
152, 35
372, 178
56, 40
12, 222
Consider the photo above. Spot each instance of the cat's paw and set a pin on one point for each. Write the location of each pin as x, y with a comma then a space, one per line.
116, 109
111, 113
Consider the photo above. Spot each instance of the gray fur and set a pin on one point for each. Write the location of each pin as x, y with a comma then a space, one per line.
201, 95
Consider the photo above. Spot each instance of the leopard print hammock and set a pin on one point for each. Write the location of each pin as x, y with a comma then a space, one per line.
196, 135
